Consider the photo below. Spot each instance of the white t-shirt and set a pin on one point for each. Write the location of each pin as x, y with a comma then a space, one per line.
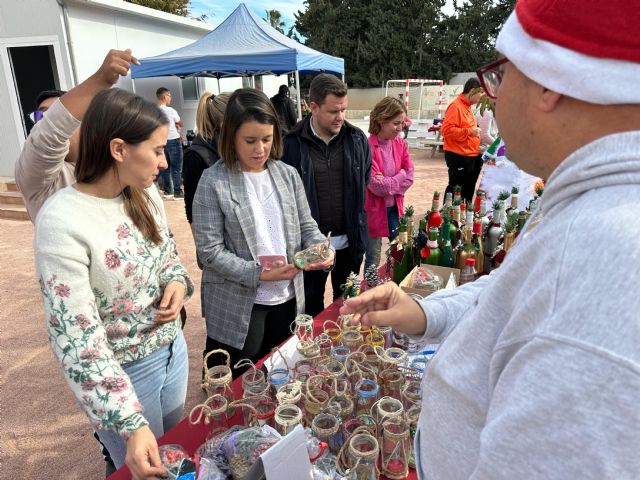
173, 117
270, 238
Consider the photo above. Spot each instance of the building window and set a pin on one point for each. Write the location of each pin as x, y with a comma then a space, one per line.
190, 89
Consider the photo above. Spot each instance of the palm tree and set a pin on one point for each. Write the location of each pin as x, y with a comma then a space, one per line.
274, 18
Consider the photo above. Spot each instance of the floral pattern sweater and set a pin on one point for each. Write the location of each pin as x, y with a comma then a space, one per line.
101, 283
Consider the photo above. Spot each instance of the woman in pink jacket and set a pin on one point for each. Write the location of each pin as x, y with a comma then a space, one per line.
391, 175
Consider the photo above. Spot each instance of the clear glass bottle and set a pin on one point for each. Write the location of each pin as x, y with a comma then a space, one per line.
468, 273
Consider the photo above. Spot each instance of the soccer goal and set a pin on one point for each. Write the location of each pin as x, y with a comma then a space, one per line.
423, 98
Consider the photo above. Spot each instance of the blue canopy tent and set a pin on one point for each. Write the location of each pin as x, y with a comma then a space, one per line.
242, 45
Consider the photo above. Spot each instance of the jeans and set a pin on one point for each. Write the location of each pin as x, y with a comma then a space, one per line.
173, 152
374, 245
160, 382
463, 171
315, 280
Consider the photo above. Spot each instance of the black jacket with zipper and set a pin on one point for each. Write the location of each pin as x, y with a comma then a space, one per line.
356, 173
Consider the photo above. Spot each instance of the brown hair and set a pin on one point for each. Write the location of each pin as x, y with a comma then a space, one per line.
116, 113
247, 105
210, 114
325, 84
385, 110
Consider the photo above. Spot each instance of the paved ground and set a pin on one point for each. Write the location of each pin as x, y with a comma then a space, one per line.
43, 433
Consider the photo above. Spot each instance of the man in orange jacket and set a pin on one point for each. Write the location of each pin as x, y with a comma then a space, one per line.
462, 140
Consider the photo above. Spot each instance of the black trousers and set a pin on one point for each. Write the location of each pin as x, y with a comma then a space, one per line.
463, 171
269, 327
316, 280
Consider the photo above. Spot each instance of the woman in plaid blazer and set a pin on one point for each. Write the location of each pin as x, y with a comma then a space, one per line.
247, 206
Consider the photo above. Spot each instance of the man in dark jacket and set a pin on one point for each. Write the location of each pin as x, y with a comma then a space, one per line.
285, 109
334, 161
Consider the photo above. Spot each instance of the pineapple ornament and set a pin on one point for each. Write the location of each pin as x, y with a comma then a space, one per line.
408, 214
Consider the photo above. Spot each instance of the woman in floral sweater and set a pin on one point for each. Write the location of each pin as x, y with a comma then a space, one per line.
113, 285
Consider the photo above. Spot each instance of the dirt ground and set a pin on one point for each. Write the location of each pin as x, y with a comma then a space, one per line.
43, 433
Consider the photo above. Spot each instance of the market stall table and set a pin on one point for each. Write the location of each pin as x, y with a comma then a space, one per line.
192, 436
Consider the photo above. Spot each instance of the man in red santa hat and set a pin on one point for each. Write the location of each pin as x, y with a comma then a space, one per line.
538, 371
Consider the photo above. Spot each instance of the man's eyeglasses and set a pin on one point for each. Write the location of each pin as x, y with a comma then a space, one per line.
490, 77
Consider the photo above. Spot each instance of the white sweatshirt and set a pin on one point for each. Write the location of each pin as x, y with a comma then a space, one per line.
539, 375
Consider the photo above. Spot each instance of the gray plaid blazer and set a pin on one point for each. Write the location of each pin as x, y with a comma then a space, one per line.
225, 234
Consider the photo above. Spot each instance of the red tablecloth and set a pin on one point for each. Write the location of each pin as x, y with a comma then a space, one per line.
191, 437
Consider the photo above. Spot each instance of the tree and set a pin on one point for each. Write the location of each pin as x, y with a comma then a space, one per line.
466, 40
379, 39
385, 39
274, 18
177, 7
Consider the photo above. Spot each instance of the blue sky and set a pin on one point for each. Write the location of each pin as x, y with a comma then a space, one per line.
218, 10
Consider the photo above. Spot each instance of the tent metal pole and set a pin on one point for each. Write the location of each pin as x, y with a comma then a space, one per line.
218, 79
298, 95
133, 85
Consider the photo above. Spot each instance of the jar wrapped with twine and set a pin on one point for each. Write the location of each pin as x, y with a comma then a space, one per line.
413, 415
314, 399
367, 392
391, 383
254, 382
352, 339
287, 417
213, 413
302, 327
326, 428
362, 456
396, 449
411, 394
217, 379
278, 377
334, 331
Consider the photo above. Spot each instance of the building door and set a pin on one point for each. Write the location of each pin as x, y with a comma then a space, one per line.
34, 70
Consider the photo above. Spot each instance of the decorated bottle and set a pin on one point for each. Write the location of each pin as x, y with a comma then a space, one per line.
448, 200
480, 195
522, 219
453, 225
431, 254
457, 195
513, 207
447, 258
420, 240
404, 254
435, 219
493, 236
478, 247
466, 249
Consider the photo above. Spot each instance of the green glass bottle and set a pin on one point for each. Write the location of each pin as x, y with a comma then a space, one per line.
434, 254
402, 267
447, 259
